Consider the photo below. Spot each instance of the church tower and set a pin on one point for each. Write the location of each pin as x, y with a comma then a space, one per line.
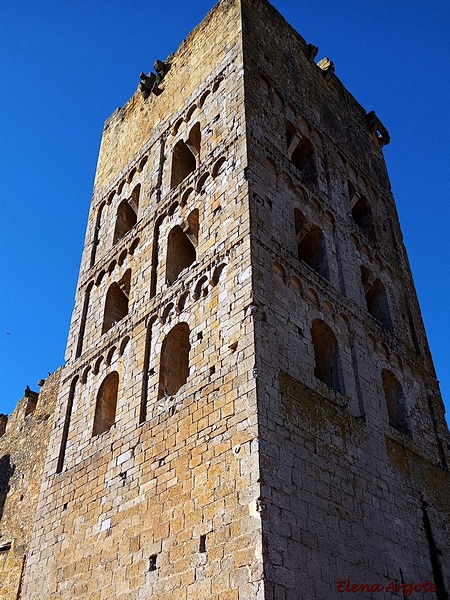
249, 409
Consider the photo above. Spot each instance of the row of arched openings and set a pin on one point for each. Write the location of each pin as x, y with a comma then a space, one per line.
328, 369
311, 249
173, 374
182, 242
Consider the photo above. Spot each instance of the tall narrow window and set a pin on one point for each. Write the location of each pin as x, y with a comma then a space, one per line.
395, 402
126, 219
134, 200
183, 163
146, 372
87, 296
105, 408
181, 247
186, 156
300, 152
311, 247
376, 298
98, 225
174, 367
326, 353
362, 214
67, 419
116, 304
155, 249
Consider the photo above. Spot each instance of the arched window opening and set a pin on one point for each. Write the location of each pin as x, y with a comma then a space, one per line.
326, 353
116, 304
300, 152
362, 215
134, 200
376, 298
105, 408
395, 401
311, 247
126, 220
181, 247
351, 192
193, 226
194, 141
183, 163
174, 366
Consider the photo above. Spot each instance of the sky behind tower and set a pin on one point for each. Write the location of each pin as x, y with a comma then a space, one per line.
66, 66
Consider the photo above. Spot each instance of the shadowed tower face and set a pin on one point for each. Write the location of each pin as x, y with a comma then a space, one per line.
249, 408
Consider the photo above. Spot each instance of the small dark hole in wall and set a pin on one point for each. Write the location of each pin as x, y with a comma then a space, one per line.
200, 336
21, 497
65, 506
212, 370
233, 346
202, 545
152, 562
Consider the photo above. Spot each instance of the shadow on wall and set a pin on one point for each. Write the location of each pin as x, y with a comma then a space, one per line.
6, 472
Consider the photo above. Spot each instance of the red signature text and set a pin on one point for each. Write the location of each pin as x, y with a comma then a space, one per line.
395, 588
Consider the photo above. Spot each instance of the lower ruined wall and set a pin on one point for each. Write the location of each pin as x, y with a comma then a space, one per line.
23, 448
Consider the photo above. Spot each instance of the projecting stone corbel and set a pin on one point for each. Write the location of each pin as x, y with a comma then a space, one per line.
327, 67
150, 83
311, 52
377, 129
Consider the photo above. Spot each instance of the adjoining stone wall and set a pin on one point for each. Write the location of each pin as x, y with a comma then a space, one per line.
350, 491
23, 449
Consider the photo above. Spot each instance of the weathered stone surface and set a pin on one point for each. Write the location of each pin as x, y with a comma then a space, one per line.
249, 408
22, 454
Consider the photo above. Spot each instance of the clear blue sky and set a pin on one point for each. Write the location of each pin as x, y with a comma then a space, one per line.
67, 65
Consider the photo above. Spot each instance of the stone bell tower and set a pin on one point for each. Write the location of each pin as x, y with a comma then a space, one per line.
249, 408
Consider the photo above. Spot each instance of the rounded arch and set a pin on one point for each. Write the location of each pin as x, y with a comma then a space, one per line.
105, 408
217, 274
110, 356
190, 112
142, 164
116, 303
201, 182
295, 283
166, 312
126, 219
181, 303
203, 97
395, 401
327, 359
124, 344
201, 287
131, 174
174, 360
218, 166
278, 269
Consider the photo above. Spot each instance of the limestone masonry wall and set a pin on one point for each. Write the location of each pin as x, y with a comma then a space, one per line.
354, 450
249, 409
